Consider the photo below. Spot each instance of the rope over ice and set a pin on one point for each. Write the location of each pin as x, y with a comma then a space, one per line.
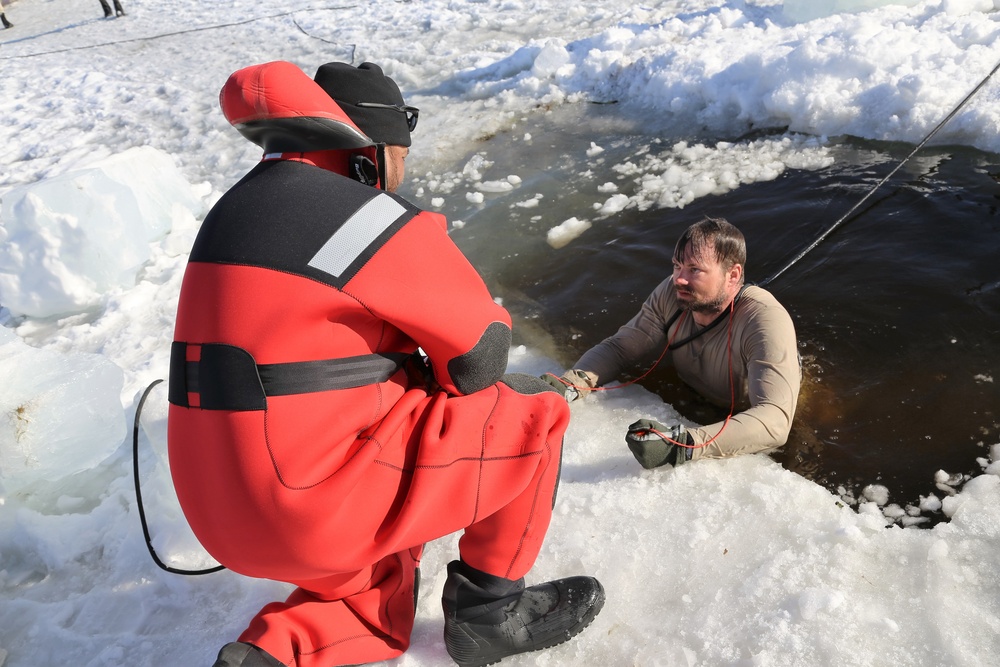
847, 215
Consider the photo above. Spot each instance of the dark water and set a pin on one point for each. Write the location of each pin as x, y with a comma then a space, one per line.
897, 311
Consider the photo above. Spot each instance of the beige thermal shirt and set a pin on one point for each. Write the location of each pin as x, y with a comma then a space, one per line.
765, 366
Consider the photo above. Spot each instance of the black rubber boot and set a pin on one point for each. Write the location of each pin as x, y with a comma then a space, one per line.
488, 618
6, 23
240, 654
118, 9
107, 9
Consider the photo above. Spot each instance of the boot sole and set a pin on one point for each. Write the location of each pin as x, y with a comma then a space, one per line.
468, 649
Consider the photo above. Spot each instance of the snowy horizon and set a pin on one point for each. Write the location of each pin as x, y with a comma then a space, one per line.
113, 148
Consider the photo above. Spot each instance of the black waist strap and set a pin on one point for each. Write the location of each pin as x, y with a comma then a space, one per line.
226, 377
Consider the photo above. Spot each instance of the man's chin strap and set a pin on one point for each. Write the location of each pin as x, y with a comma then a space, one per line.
380, 161
366, 172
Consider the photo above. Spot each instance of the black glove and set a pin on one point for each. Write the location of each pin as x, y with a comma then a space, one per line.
419, 371
648, 443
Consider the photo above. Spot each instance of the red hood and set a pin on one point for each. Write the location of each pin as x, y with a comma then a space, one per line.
278, 107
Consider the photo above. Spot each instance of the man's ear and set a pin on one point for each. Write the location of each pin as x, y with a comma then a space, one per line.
735, 274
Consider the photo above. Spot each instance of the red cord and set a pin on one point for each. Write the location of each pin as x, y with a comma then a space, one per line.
633, 381
732, 382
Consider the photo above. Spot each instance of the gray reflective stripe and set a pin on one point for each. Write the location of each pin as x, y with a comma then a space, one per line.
355, 235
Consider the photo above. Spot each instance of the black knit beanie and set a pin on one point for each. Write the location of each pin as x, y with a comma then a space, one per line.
348, 85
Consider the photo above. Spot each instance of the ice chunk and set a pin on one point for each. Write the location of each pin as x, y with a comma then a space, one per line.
550, 60
68, 240
63, 412
876, 493
563, 233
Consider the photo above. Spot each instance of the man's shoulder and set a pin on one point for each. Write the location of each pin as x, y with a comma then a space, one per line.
663, 299
759, 305
301, 219
759, 295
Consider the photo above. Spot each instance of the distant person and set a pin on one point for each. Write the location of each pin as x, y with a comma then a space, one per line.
338, 396
733, 344
107, 9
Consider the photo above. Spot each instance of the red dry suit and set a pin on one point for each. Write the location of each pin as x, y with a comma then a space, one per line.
302, 445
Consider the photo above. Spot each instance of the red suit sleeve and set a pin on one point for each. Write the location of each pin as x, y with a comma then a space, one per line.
422, 284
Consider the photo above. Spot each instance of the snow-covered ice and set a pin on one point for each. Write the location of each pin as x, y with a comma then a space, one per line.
112, 147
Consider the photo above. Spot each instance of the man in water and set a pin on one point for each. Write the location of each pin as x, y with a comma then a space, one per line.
338, 396
733, 344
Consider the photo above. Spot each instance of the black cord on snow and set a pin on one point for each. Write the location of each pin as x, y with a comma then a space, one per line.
844, 217
138, 494
187, 31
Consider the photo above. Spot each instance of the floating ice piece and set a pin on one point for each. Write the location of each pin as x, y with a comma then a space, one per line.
562, 234
952, 480
876, 493
495, 187
614, 204
930, 503
473, 169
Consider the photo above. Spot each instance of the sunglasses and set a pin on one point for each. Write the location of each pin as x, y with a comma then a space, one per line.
412, 113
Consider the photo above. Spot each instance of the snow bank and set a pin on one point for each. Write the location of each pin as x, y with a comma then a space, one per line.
67, 241
807, 10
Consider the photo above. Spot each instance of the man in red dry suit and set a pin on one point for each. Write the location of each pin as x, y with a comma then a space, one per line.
338, 395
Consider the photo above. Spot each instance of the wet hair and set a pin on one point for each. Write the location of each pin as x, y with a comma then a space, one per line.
715, 234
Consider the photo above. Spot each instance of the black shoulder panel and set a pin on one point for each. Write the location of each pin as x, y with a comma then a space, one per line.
300, 219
